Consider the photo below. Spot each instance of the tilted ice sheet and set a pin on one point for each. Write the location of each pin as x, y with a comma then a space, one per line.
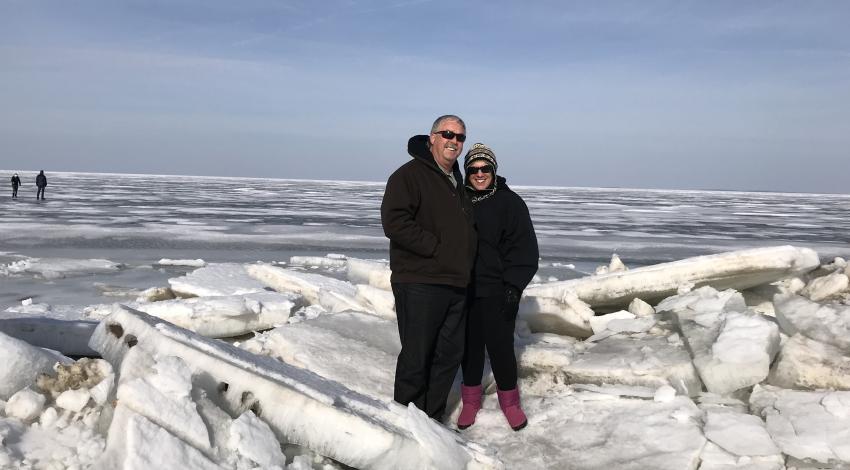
332, 294
361, 431
804, 363
22, 363
826, 287
822, 322
566, 315
737, 269
371, 272
336, 347
217, 316
731, 348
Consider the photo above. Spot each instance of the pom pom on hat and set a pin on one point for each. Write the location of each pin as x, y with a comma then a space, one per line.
480, 151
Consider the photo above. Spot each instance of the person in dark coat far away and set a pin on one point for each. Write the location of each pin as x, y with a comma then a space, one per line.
428, 218
41, 183
16, 181
504, 265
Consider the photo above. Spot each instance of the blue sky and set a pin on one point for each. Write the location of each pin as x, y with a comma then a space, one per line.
648, 94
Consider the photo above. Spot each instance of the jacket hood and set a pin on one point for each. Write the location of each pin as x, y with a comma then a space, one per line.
418, 148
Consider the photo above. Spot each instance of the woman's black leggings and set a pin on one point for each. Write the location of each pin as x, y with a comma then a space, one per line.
489, 326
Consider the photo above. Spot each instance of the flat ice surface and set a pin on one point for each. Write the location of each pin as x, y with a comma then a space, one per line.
806, 425
649, 361
217, 280
595, 432
91, 244
137, 220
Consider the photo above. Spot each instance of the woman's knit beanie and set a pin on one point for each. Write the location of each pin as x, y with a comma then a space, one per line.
480, 151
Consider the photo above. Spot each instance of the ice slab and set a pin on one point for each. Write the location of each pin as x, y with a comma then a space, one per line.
336, 347
25, 405
566, 315
731, 348
318, 261
825, 287
70, 337
804, 363
740, 434
374, 273
811, 427
591, 432
21, 364
55, 442
300, 406
55, 268
136, 443
825, 323
380, 301
641, 308
197, 263
651, 362
216, 280
736, 269
219, 317
332, 294
599, 322
713, 457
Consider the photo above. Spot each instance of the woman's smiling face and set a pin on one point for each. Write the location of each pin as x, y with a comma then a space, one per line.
480, 174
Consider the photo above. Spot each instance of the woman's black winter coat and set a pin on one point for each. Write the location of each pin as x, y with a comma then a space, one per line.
507, 245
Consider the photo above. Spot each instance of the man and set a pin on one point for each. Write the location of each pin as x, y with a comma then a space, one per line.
41, 182
16, 181
428, 219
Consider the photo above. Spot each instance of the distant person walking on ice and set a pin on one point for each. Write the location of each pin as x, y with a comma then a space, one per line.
16, 181
505, 262
428, 218
41, 183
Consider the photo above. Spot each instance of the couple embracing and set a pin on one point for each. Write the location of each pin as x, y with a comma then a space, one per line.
462, 249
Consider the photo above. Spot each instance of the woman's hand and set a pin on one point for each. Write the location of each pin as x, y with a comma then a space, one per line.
511, 305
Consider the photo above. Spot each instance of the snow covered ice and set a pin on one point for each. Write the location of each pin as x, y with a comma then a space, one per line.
642, 367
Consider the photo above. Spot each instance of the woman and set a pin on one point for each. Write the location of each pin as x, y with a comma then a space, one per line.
505, 263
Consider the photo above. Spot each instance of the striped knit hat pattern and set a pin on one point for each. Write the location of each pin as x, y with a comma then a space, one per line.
480, 151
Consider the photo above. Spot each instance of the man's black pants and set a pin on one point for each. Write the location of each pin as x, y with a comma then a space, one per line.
431, 325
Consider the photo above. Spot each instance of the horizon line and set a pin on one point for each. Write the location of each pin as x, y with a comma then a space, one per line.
611, 188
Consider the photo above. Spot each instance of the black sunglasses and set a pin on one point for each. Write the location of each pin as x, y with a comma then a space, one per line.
449, 135
486, 169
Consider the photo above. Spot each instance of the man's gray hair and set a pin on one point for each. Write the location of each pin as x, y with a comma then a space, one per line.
447, 117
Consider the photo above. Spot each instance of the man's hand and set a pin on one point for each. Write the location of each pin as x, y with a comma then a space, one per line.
511, 306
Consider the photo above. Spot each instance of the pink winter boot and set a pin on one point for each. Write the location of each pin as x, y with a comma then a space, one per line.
509, 402
471, 397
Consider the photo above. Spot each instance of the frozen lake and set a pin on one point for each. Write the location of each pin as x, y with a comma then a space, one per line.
138, 219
